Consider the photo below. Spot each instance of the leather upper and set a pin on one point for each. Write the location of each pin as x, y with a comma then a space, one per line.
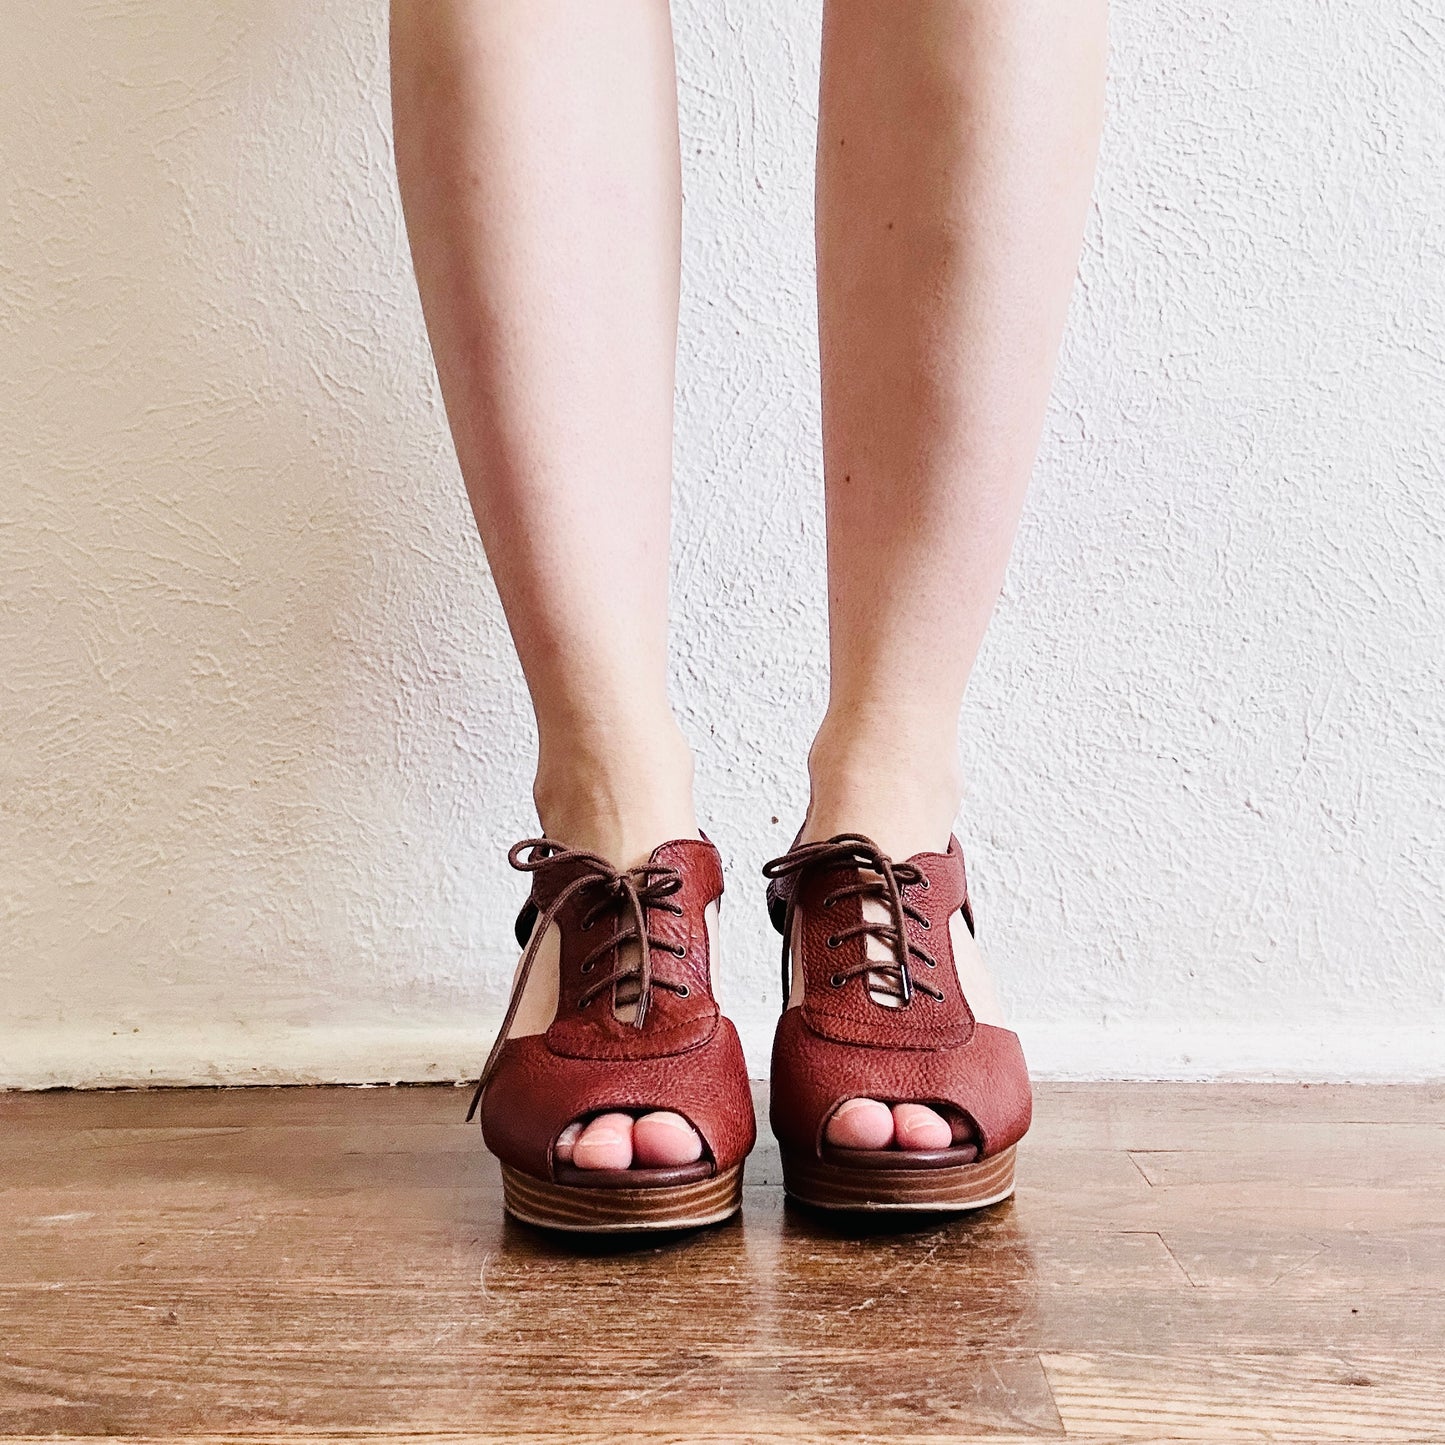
536, 1093
684, 1056
675, 1022
841, 1043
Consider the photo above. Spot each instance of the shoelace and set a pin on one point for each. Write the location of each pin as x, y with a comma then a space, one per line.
630, 890
891, 977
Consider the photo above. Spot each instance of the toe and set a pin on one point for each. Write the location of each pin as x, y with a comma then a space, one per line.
606, 1143
566, 1142
663, 1140
916, 1126
860, 1124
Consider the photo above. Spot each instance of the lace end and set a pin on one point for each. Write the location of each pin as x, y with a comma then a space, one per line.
476, 1099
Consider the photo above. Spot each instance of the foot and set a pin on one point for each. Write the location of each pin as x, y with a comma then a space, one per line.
615, 973
656, 1140
871, 1124
868, 1123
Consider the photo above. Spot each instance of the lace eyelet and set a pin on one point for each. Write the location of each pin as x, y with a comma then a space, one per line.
926, 925
829, 901
586, 927
832, 940
679, 950
924, 884
684, 992
930, 963
587, 968
837, 980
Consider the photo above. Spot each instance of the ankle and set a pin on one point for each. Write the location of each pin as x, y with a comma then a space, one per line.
614, 801
901, 787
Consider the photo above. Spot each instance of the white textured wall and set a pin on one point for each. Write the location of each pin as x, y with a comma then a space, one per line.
264, 743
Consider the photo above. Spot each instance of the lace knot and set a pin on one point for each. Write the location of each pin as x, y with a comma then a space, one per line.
629, 894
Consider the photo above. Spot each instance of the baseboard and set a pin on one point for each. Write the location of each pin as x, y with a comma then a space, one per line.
416, 1053
1320, 1053
237, 1054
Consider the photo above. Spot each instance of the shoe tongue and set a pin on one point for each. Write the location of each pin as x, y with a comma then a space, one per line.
882, 987
559, 873
625, 994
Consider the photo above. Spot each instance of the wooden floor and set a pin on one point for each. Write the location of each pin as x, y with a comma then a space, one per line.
1180, 1263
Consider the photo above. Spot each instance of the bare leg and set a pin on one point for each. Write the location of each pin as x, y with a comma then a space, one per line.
955, 157
537, 152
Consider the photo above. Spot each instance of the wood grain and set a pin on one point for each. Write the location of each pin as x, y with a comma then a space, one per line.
1246, 1397
1179, 1263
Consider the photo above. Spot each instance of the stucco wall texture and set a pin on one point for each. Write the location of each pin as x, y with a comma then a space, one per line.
263, 741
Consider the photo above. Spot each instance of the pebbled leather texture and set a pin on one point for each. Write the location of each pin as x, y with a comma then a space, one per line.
840, 1043
674, 1023
536, 1093
685, 1058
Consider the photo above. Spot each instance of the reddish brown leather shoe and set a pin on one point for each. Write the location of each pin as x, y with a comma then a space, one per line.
632, 1026
876, 1011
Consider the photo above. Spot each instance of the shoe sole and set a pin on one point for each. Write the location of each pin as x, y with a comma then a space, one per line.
578, 1210
956, 1188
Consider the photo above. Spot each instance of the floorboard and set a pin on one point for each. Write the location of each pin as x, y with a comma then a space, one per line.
1181, 1262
